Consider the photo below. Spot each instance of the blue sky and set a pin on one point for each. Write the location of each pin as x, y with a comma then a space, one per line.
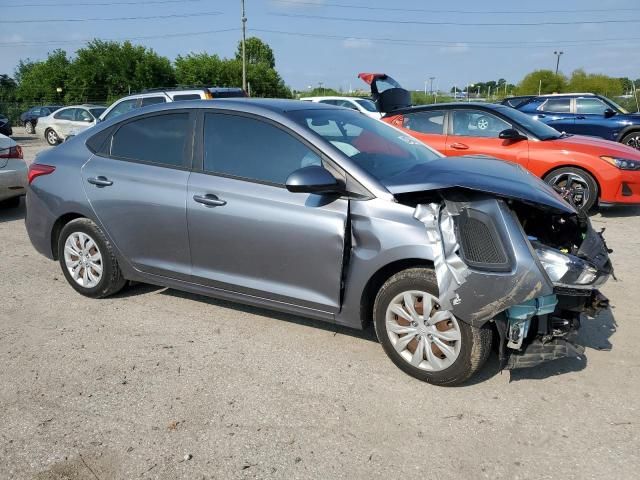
419, 38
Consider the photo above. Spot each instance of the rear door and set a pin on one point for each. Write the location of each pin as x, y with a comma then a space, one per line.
137, 185
247, 232
557, 113
476, 132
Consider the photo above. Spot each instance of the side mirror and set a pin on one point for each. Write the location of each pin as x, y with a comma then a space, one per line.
609, 112
511, 134
312, 179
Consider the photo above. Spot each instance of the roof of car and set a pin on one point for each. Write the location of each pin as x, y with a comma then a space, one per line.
84, 105
331, 97
438, 106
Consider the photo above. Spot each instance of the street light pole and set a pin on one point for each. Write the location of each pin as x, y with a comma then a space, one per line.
431, 79
244, 51
557, 53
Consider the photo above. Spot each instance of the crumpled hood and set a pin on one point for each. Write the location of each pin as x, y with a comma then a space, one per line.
483, 174
581, 143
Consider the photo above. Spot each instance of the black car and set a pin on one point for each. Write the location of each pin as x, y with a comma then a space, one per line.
30, 118
5, 126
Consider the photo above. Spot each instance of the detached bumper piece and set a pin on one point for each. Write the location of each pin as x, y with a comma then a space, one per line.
546, 328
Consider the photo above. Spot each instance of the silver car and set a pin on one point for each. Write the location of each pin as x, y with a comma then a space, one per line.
13, 173
323, 212
67, 122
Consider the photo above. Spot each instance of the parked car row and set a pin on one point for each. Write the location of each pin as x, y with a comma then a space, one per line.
585, 169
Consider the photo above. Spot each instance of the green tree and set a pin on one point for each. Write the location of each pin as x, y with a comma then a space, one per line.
105, 70
545, 80
206, 69
581, 81
40, 81
257, 52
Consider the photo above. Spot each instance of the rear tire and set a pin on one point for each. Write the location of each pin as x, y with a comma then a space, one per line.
443, 350
88, 260
30, 128
632, 140
559, 179
51, 137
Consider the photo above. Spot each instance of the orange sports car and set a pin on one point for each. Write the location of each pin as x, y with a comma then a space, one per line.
585, 170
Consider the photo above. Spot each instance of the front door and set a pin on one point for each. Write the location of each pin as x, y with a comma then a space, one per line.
476, 132
591, 119
427, 126
247, 232
138, 187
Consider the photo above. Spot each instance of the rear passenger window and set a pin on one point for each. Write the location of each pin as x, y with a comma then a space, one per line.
425, 122
152, 101
557, 105
252, 149
160, 139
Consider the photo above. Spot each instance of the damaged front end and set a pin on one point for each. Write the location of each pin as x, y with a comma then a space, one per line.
531, 269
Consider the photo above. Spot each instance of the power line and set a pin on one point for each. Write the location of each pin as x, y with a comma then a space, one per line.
431, 10
438, 43
145, 37
100, 4
466, 24
109, 19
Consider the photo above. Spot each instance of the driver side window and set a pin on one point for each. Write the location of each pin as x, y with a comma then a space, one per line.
477, 123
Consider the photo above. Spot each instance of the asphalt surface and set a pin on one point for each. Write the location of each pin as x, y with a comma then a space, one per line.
155, 383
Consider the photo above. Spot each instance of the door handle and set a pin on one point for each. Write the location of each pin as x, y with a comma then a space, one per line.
209, 200
100, 181
459, 146
540, 115
581, 117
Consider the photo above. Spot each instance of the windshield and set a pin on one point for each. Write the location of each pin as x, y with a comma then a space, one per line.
96, 112
379, 149
615, 106
535, 127
368, 105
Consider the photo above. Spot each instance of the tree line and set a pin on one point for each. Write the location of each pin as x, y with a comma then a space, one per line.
103, 71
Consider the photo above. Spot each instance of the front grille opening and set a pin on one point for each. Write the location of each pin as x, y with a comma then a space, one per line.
480, 243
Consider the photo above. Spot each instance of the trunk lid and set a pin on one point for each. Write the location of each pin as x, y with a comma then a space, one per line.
387, 94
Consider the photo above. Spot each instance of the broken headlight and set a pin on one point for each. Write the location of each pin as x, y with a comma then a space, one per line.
566, 269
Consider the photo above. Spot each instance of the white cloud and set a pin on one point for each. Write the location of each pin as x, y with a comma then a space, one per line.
357, 43
459, 47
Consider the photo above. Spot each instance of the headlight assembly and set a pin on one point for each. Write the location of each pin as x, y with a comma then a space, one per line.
566, 269
622, 163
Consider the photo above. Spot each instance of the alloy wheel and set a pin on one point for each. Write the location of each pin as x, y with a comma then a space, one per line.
83, 259
52, 137
634, 141
424, 335
573, 186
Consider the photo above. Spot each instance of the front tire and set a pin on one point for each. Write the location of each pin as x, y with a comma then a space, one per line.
88, 260
575, 184
51, 137
632, 140
30, 128
424, 341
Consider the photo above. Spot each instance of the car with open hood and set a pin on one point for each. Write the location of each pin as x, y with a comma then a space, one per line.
588, 171
323, 212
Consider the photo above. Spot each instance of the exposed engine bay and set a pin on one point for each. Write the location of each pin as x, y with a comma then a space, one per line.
530, 269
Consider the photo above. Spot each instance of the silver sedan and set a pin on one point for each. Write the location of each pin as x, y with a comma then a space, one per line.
13, 172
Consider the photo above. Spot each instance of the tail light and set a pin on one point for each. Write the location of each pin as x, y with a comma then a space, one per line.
37, 170
13, 152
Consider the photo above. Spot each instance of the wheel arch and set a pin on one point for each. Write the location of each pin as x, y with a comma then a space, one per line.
58, 225
579, 167
376, 281
626, 131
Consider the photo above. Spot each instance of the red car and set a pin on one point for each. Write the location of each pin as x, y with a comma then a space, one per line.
585, 169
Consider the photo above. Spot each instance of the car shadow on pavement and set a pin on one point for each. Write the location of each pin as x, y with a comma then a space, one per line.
8, 214
619, 212
594, 334
141, 289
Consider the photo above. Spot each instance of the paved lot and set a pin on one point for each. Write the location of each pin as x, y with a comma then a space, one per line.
130, 387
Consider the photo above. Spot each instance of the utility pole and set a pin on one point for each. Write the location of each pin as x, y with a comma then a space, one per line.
557, 53
431, 79
244, 50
